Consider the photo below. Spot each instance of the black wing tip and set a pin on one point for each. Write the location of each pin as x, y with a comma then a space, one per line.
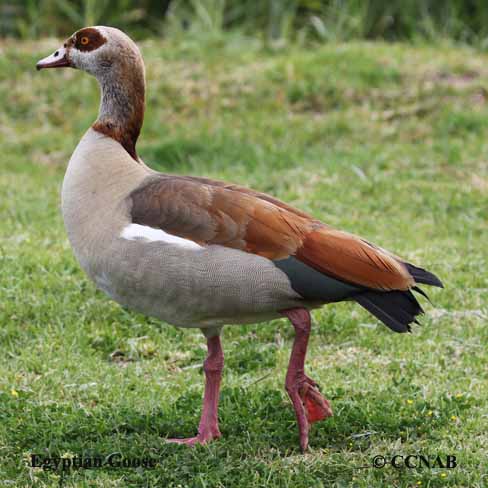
396, 309
423, 276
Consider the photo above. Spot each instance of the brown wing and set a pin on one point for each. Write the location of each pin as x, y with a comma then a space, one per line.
247, 191
211, 212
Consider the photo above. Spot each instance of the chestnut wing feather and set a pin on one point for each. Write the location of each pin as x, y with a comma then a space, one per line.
212, 212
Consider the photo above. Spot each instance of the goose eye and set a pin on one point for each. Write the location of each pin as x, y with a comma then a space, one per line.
84, 40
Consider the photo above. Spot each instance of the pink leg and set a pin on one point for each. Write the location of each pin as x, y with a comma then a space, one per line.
209, 423
309, 405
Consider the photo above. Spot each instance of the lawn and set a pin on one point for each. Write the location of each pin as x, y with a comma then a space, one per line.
388, 141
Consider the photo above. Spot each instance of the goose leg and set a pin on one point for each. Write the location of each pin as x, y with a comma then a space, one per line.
208, 428
309, 405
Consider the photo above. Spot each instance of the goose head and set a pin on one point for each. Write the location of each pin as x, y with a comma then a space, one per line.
95, 50
116, 62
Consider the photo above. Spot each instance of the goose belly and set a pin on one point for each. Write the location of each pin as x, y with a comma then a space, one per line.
192, 287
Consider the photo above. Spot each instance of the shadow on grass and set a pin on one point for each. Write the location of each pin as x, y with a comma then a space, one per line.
258, 427
257, 417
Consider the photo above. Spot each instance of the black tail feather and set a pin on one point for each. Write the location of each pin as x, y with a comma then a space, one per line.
421, 275
397, 309
422, 292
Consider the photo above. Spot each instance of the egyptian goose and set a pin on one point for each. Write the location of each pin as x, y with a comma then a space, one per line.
196, 252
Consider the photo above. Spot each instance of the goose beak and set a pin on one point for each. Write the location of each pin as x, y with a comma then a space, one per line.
58, 59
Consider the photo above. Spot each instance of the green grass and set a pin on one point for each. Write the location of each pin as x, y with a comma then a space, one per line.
387, 141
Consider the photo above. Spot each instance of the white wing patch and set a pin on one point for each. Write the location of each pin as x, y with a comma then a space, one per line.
135, 231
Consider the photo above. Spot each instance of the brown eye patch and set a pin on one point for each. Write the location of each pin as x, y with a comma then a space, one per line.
89, 39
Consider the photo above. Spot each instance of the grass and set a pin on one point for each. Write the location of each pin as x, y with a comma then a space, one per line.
276, 21
387, 141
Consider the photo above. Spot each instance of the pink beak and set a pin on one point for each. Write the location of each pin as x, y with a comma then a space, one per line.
58, 59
